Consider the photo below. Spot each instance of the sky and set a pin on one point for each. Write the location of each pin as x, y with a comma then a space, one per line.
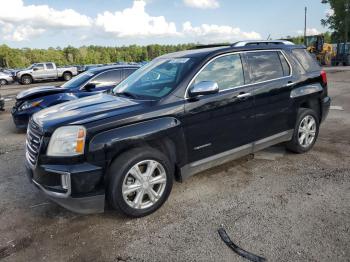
52, 23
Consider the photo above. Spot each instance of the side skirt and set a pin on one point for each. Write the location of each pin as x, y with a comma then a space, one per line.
227, 156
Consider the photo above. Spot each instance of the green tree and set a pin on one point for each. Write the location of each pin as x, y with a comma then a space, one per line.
339, 21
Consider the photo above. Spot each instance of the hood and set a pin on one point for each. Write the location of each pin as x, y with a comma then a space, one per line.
39, 91
84, 110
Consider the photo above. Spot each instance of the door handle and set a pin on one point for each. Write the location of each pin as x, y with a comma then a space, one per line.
243, 95
290, 83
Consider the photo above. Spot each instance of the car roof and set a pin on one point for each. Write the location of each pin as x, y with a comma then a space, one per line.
212, 50
104, 68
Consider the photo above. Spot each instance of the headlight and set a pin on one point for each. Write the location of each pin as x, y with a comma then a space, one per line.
67, 141
27, 105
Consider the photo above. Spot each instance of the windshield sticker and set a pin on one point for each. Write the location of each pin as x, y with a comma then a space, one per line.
178, 60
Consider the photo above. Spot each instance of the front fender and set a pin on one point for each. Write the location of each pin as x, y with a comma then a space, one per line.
22, 73
107, 145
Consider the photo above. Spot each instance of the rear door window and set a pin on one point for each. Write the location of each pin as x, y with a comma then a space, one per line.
226, 71
306, 60
49, 66
108, 78
265, 65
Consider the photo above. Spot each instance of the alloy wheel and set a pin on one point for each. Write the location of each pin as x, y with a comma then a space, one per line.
144, 184
307, 131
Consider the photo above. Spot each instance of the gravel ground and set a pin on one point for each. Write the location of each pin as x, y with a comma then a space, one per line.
282, 206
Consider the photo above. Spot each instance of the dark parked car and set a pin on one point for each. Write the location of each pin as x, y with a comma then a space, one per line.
2, 104
178, 115
89, 83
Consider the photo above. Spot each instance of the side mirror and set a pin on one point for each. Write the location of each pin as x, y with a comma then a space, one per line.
204, 88
35, 69
89, 87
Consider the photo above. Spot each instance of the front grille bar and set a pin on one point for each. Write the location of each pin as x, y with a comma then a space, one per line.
33, 144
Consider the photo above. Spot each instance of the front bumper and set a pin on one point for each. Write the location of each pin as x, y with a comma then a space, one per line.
21, 118
64, 184
326, 104
2, 104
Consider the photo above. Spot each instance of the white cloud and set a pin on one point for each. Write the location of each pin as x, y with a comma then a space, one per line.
23, 32
309, 31
25, 21
135, 22
203, 4
329, 12
6, 28
14, 11
20, 22
217, 33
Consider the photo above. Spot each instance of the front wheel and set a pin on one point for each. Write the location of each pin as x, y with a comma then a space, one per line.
26, 80
305, 132
139, 181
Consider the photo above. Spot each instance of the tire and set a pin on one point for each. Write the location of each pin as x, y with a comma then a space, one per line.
347, 61
120, 180
304, 116
26, 80
3, 82
67, 76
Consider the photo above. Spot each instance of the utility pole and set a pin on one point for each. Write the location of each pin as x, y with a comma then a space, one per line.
305, 26
346, 21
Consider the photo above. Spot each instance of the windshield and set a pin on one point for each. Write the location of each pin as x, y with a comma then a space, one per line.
79, 80
156, 79
30, 67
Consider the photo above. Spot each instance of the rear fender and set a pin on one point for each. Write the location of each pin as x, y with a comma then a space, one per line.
308, 96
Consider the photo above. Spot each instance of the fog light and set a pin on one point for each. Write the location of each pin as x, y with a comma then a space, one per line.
65, 181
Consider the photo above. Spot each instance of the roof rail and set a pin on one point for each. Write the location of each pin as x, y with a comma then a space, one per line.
262, 42
209, 46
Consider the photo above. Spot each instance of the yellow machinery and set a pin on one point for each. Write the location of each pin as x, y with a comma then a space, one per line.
324, 52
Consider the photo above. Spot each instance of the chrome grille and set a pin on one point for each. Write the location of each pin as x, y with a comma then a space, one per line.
33, 143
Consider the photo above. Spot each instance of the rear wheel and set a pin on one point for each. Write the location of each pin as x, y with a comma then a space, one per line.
3, 82
305, 132
347, 61
67, 76
26, 80
140, 181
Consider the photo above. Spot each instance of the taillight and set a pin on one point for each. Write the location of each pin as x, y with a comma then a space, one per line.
324, 77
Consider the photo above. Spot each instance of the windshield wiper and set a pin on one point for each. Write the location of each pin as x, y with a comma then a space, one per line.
127, 94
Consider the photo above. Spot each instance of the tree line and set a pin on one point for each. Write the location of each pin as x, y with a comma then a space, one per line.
339, 20
23, 57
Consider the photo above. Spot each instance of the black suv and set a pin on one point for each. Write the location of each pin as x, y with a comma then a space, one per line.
178, 115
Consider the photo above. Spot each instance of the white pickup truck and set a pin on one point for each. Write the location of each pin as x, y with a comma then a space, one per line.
45, 71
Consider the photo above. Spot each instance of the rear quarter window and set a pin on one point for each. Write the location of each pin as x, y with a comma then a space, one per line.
306, 60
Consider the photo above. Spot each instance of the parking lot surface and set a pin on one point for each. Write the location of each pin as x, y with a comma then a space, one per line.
276, 204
